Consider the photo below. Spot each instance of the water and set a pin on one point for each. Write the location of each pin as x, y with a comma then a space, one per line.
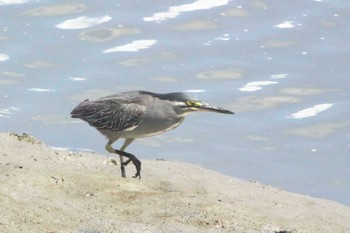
282, 66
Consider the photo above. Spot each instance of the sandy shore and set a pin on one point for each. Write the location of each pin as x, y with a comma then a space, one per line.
43, 190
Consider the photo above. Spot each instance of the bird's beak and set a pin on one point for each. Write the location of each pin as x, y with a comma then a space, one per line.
210, 108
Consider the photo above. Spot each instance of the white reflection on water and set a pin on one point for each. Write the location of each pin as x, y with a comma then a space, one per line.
4, 57
132, 47
77, 79
224, 37
195, 91
255, 86
36, 89
174, 11
278, 76
83, 22
285, 25
9, 2
7, 112
310, 112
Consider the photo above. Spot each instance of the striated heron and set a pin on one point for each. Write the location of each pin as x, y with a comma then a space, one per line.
138, 114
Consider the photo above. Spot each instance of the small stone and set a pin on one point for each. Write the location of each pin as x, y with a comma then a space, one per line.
112, 162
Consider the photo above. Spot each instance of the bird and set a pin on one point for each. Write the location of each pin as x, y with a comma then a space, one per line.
137, 114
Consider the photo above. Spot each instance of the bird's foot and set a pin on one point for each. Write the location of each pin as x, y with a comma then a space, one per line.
137, 164
131, 158
138, 174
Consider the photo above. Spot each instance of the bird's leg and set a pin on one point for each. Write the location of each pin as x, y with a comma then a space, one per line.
124, 146
127, 162
131, 158
110, 149
122, 167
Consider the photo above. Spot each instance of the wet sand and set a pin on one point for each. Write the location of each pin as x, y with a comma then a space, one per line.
46, 190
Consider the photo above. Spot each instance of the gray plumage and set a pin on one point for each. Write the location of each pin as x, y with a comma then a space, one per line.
138, 114
113, 113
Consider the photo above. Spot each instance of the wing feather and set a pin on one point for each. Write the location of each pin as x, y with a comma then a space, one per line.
110, 114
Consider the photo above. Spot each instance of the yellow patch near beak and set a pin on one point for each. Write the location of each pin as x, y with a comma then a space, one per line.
192, 103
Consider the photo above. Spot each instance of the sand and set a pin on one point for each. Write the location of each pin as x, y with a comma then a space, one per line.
47, 190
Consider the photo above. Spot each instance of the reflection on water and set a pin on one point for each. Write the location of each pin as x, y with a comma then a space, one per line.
4, 57
282, 67
175, 11
83, 22
310, 112
7, 112
134, 46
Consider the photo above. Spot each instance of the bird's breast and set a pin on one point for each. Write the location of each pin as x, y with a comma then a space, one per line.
151, 127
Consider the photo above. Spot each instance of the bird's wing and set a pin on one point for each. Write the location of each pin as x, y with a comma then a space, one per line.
110, 114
